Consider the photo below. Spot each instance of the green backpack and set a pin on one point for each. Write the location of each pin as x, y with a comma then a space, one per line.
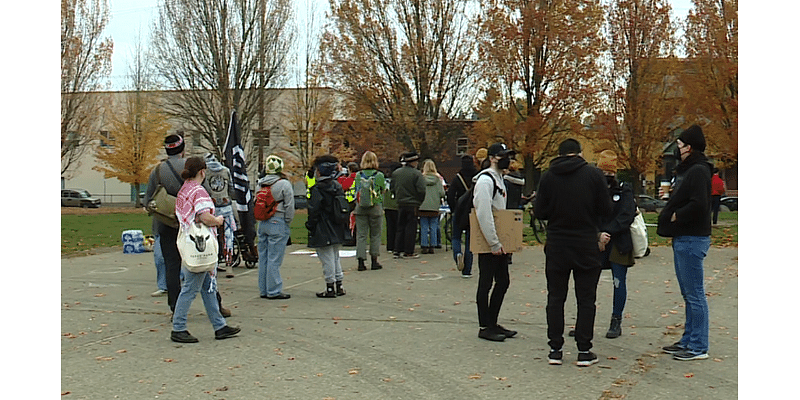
367, 194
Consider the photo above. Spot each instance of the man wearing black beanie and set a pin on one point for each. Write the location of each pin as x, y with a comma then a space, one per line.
687, 219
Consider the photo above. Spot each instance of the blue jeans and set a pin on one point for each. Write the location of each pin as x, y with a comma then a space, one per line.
429, 231
193, 283
456, 241
272, 237
689, 252
619, 273
161, 267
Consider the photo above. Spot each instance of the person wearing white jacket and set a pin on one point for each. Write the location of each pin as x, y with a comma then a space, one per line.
490, 194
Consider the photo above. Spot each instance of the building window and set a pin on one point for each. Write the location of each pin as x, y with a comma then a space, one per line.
105, 139
462, 146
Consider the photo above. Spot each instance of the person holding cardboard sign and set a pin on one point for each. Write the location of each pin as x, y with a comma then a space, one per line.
492, 266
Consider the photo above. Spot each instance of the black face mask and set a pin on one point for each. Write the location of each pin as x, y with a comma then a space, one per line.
610, 180
677, 153
504, 163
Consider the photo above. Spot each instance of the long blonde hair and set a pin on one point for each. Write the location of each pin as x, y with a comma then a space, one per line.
429, 167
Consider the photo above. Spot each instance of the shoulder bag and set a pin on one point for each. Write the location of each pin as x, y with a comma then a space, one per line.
639, 235
162, 205
198, 247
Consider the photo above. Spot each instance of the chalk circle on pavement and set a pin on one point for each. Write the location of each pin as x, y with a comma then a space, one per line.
427, 277
116, 270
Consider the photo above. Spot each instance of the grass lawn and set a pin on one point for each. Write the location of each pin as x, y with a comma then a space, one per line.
84, 232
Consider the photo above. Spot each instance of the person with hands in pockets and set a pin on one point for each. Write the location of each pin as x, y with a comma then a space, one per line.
490, 194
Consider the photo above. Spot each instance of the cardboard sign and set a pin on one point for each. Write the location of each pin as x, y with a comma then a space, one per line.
508, 224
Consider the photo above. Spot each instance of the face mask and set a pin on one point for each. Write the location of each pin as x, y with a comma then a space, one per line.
609, 179
504, 163
677, 153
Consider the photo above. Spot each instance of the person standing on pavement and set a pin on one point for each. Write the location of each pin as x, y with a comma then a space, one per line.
161, 268
616, 229
408, 187
573, 198
429, 209
370, 185
194, 204
461, 184
717, 191
273, 234
490, 194
326, 234
167, 175
390, 209
218, 185
686, 218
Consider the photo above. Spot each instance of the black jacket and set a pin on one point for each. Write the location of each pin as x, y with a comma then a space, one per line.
321, 224
573, 198
618, 225
690, 200
457, 188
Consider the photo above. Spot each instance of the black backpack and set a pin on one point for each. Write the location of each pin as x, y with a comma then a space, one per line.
341, 209
464, 205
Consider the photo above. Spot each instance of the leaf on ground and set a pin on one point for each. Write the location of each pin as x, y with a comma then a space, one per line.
101, 358
475, 376
353, 371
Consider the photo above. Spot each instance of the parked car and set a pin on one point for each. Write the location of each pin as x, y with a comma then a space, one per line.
649, 203
78, 198
731, 203
300, 201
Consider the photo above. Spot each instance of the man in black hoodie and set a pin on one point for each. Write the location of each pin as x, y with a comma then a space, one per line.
687, 219
573, 198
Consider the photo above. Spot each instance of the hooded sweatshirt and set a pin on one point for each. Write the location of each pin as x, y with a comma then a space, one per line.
218, 183
485, 199
434, 193
283, 193
573, 197
690, 200
457, 188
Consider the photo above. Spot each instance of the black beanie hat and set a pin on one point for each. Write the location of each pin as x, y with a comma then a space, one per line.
693, 136
569, 146
173, 144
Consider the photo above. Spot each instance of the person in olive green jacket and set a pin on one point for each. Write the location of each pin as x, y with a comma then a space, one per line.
408, 187
369, 186
429, 209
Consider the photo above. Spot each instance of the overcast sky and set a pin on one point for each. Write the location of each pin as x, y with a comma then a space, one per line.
129, 17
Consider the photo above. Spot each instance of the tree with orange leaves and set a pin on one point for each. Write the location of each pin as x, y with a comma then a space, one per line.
539, 59
712, 39
644, 98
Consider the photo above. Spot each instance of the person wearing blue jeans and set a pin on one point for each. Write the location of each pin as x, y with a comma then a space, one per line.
161, 268
273, 235
686, 218
615, 231
273, 232
463, 258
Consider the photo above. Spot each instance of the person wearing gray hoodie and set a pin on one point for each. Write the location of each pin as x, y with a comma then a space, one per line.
218, 185
273, 234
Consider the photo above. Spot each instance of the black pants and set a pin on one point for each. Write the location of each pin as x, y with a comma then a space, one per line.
391, 229
492, 270
406, 236
584, 265
168, 237
715, 207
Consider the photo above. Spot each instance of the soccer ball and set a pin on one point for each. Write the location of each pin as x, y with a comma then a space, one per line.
273, 164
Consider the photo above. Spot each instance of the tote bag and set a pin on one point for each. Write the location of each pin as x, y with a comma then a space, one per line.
198, 247
639, 235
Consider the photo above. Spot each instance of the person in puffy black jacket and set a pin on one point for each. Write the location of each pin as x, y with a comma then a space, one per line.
458, 186
325, 233
687, 219
573, 198
618, 253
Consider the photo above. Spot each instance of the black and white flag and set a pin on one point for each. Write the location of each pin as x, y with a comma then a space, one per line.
234, 158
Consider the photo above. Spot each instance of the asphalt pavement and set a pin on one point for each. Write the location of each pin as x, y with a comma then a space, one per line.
408, 331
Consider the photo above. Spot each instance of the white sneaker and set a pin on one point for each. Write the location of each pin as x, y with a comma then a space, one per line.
159, 293
466, 276
460, 261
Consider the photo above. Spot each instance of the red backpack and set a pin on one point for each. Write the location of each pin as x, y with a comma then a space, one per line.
265, 205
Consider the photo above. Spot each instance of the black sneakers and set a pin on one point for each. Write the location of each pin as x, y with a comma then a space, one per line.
555, 356
586, 358
686, 355
507, 332
183, 337
673, 348
492, 334
226, 332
